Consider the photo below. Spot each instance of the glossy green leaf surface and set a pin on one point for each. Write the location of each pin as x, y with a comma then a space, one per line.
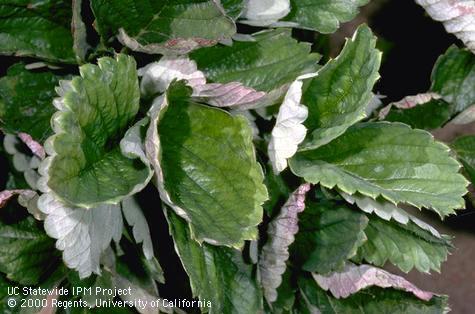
338, 96
163, 26
216, 273
86, 166
391, 160
40, 29
272, 60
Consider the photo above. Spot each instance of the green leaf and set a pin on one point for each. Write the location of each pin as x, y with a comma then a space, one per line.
323, 16
86, 166
233, 8
162, 26
329, 236
390, 160
464, 147
405, 246
26, 101
79, 30
217, 274
338, 96
272, 60
27, 254
210, 173
453, 77
372, 300
427, 116
40, 29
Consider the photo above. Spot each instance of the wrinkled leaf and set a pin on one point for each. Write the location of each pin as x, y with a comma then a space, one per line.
86, 166
329, 236
163, 27
206, 168
338, 96
26, 101
356, 278
40, 28
216, 273
405, 246
281, 234
391, 160
82, 234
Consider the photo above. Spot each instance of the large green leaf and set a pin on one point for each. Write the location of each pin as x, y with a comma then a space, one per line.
406, 246
337, 98
27, 254
210, 173
329, 236
391, 160
323, 16
86, 166
39, 28
272, 60
162, 26
313, 299
26, 101
464, 147
453, 77
216, 273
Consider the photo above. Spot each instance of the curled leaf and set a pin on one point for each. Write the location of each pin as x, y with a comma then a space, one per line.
409, 102
35, 147
281, 231
289, 130
355, 278
458, 17
265, 12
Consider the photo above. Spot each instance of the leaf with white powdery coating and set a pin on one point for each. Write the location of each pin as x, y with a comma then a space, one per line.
338, 96
281, 232
206, 168
405, 246
218, 274
323, 16
391, 160
82, 234
86, 166
162, 26
274, 59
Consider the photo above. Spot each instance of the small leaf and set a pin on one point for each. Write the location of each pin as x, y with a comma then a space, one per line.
375, 300
82, 234
390, 160
289, 130
338, 96
323, 16
356, 278
281, 232
457, 16
274, 59
265, 12
79, 30
405, 246
206, 168
134, 216
40, 29
453, 77
86, 166
329, 236
161, 26
464, 147
26, 102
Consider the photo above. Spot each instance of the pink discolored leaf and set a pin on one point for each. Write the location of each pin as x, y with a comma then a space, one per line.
355, 278
281, 233
6, 195
35, 147
409, 102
